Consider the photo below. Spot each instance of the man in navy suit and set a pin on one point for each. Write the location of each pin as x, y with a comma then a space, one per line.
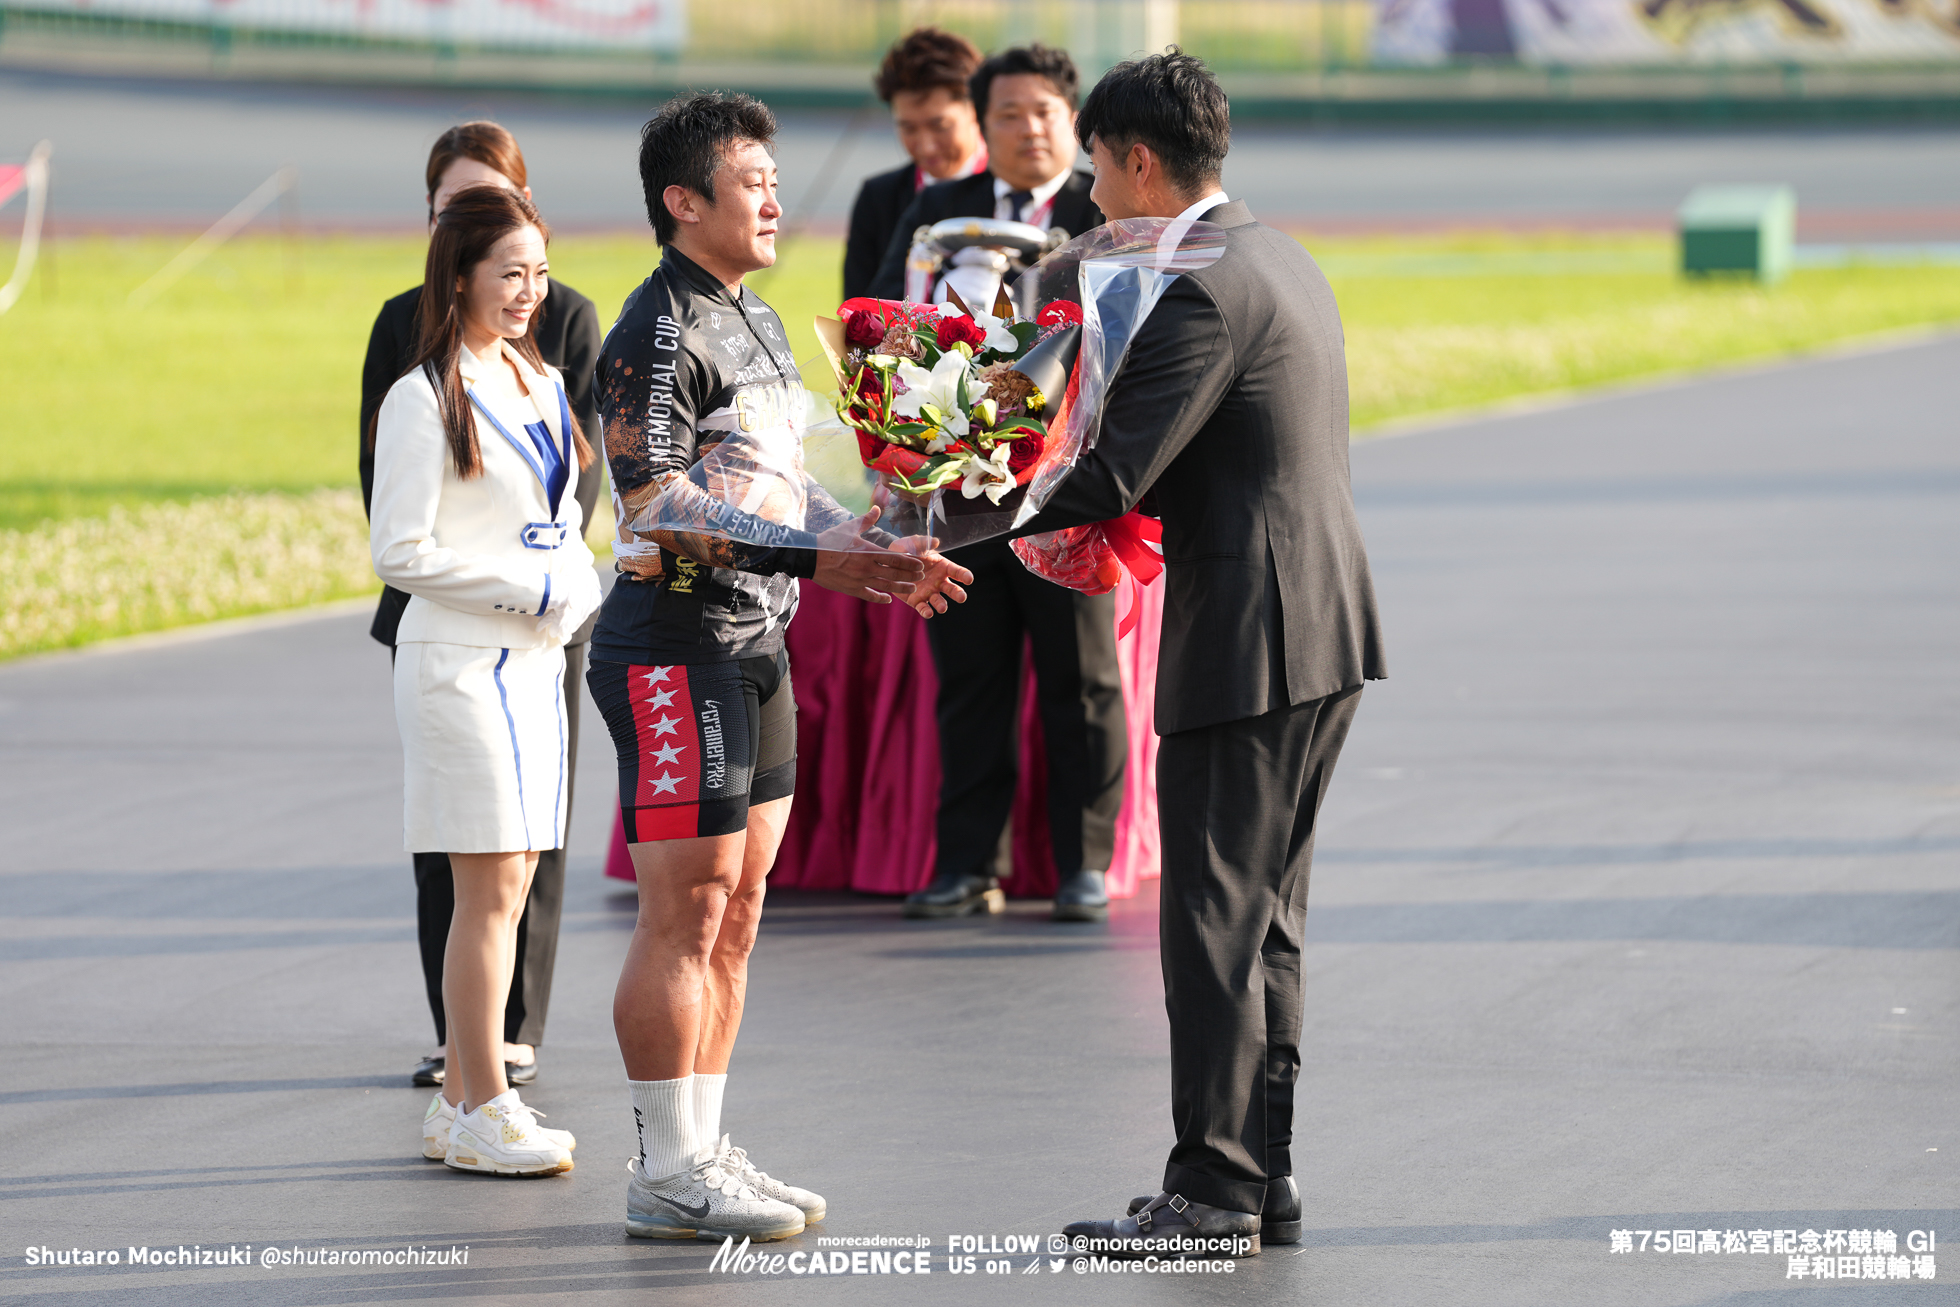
1026, 99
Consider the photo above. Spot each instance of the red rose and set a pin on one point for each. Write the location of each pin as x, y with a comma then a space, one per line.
1059, 313
871, 396
864, 328
958, 327
1024, 454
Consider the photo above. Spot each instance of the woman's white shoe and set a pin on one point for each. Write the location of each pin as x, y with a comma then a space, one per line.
503, 1138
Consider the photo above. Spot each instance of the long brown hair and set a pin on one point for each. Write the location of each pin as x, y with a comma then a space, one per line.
466, 231
486, 142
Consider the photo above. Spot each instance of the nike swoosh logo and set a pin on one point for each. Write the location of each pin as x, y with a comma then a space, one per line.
696, 1214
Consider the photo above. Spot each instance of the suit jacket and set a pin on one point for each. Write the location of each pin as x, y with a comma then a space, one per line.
973, 197
568, 337
479, 556
1231, 413
881, 201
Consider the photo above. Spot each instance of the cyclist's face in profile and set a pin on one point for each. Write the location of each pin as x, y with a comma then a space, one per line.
739, 228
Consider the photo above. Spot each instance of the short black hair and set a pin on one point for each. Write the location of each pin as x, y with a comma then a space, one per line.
1041, 60
1169, 102
685, 143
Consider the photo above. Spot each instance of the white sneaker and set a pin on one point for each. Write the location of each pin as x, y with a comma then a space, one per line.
502, 1138
436, 1123
736, 1162
705, 1201
435, 1127
563, 1138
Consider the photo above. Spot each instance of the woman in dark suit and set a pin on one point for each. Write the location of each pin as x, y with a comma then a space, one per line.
924, 80
567, 335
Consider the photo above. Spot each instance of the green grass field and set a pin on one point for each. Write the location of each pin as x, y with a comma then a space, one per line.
245, 376
127, 426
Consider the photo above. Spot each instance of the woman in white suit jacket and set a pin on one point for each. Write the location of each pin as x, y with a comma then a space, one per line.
477, 459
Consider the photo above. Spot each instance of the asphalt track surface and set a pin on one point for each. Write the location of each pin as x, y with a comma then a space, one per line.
134, 153
1635, 908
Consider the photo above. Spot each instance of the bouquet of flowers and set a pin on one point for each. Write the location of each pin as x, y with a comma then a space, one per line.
944, 396
949, 425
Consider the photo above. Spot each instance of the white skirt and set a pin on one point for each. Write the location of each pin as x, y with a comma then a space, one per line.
483, 742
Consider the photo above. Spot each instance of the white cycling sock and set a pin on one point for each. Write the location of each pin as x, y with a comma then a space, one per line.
707, 1108
663, 1115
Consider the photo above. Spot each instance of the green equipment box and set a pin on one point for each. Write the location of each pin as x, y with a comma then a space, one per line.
1747, 229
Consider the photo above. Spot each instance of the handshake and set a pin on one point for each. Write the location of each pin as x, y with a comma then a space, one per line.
575, 596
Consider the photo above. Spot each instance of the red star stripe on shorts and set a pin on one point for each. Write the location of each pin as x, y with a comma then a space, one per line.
670, 762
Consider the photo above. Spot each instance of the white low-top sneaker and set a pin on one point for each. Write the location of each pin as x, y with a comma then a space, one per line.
706, 1201
736, 1162
436, 1123
503, 1138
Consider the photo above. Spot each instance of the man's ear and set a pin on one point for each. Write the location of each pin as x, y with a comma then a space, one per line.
680, 203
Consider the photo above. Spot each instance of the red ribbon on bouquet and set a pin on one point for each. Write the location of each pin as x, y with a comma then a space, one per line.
1138, 545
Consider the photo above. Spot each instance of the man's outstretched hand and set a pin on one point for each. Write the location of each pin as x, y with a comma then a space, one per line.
943, 580
910, 569
872, 577
871, 574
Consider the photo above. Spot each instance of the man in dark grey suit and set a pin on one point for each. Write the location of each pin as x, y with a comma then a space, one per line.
1229, 421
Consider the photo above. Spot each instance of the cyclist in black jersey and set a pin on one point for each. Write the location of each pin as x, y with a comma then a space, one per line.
688, 665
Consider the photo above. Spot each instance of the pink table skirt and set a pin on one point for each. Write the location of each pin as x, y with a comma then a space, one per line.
867, 766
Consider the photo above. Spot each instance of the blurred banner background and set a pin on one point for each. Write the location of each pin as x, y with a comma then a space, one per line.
1281, 51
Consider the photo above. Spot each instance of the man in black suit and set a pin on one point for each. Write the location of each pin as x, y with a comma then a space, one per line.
1229, 420
1026, 99
924, 80
567, 331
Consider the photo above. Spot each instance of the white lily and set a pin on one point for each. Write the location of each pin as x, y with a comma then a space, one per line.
939, 388
988, 476
998, 336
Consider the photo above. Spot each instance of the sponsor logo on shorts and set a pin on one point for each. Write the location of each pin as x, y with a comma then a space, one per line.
714, 754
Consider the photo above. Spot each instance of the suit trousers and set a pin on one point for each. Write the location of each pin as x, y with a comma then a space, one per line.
537, 929
977, 646
1238, 802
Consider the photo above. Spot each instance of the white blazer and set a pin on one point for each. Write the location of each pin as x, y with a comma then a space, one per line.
477, 557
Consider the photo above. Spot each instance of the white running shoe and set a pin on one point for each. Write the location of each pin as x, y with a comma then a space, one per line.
736, 1162
503, 1138
436, 1123
706, 1201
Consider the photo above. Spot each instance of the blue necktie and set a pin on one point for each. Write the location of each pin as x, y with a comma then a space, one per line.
1021, 200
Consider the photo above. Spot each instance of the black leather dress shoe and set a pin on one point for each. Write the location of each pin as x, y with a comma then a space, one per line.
520, 1073
1081, 898
428, 1073
1169, 1226
1279, 1219
956, 896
